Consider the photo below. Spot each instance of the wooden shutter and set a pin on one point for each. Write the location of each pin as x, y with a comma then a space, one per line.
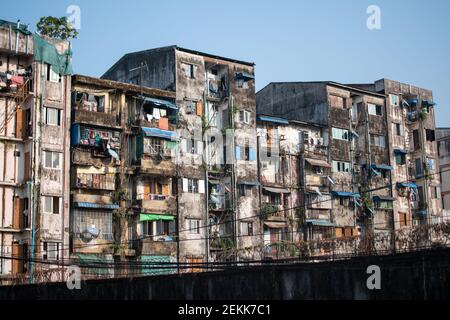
199, 108
18, 213
348, 232
27, 165
146, 190
165, 190
339, 233
20, 123
18, 264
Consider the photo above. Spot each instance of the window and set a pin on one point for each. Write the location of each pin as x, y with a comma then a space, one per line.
193, 185
51, 205
52, 76
375, 110
431, 164
245, 190
398, 129
419, 170
52, 116
403, 219
188, 70
244, 116
158, 228
435, 193
191, 146
416, 139
400, 159
157, 146
52, 160
193, 226
430, 134
241, 83
247, 228
341, 166
384, 205
26, 211
340, 134
337, 102
379, 141
51, 251
191, 107
394, 100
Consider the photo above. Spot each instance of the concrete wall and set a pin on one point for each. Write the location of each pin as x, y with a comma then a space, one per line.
416, 276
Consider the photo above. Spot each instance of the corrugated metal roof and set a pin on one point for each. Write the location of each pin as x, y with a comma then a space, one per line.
155, 132
90, 205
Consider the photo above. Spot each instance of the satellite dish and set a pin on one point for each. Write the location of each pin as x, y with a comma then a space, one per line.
90, 233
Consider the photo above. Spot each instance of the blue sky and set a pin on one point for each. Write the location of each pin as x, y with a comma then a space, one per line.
288, 40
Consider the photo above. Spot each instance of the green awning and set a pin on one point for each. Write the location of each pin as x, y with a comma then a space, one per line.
156, 217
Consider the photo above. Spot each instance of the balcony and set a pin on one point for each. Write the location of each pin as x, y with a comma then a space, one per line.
316, 180
273, 212
96, 118
149, 246
317, 214
158, 204
217, 89
219, 202
156, 166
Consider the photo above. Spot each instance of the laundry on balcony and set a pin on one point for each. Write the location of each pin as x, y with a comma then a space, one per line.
155, 217
344, 194
164, 134
318, 163
89, 205
159, 103
276, 190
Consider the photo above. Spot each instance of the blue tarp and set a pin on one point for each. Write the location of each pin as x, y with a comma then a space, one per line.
400, 151
406, 185
273, 119
321, 223
343, 194
164, 134
159, 103
382, 167
89, 205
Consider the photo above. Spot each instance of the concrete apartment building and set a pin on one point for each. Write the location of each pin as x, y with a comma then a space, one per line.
217, 182
443, 141
34, 150
123, 177
362, 130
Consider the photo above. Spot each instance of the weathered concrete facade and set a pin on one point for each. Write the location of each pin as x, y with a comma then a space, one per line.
367, 136
443, 141
123, 175
35, 120
215, 95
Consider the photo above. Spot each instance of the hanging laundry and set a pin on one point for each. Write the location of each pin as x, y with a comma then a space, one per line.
149, 117
156, 113
163, 113
17, 80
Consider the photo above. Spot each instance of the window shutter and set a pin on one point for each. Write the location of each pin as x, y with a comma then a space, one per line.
199, 108
338, 232
19, 123
401, 219
185, 185
183, 145
201, 186
238, 153
199, 147
165, 190
17, 213
252, 154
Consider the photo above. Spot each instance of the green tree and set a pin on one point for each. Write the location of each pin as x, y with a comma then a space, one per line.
57, 28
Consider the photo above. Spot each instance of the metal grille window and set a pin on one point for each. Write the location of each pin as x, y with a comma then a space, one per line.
102, 221
193, 226
51, 251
